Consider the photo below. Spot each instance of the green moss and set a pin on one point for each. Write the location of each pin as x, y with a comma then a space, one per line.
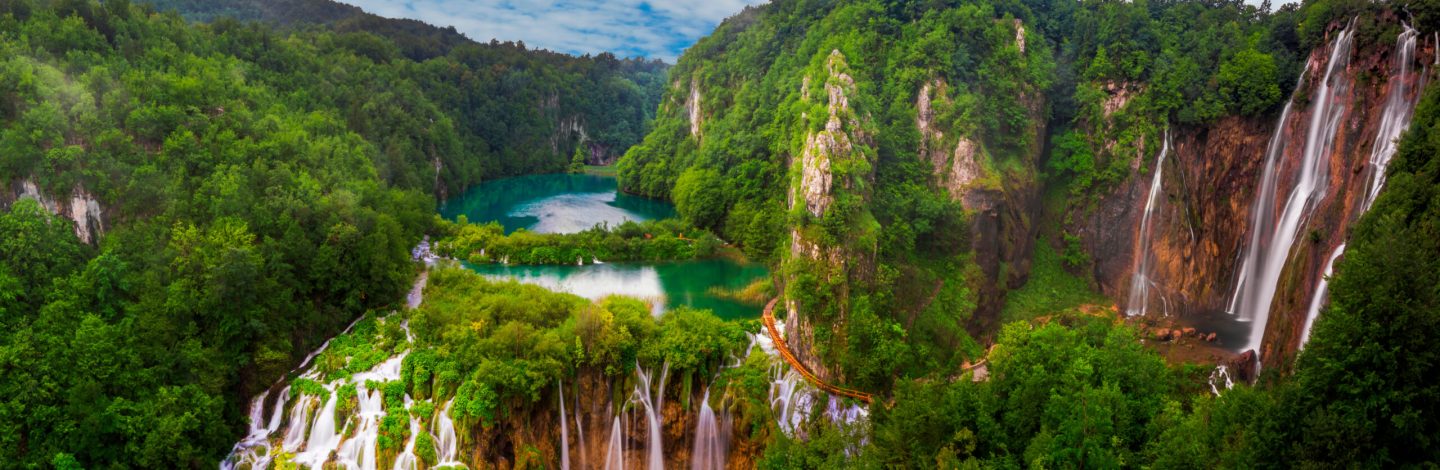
1049, 290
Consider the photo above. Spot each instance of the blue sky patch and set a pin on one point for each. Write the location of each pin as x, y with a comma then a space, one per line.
627, 28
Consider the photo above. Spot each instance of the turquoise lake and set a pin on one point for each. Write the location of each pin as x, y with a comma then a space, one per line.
562, 203
572, 203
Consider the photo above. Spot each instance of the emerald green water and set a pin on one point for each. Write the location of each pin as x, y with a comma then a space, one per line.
667, 285
571, 203
560, 203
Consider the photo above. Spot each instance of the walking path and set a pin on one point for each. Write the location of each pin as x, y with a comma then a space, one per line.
784, 349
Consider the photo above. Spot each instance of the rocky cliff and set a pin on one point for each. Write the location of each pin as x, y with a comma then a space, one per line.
1322, 156
80, 207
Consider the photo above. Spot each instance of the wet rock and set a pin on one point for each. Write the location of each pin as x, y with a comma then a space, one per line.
1243, 367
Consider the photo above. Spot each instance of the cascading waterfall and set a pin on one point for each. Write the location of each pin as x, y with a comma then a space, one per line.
1220, 378
1140, 282
580, 432
344, 441
649, 398
712, 438
1394, 120
651, 403
295, 436
279, 414
1272, 238
445, 439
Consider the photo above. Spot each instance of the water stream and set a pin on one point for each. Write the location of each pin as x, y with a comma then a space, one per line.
1273, 237
1394, 120
1140, 283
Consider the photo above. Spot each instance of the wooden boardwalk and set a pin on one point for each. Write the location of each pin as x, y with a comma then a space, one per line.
784, 349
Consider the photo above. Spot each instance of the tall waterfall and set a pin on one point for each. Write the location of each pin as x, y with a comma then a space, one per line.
648, 397
712, 438
564, 429
407, 460
1140, 283
1394, 120
1271, 237
652, 402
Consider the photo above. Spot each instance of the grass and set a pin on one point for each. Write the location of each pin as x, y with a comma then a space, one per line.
596, 170
1049, 290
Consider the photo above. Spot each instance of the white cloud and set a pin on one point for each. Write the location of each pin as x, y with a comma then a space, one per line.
650, 28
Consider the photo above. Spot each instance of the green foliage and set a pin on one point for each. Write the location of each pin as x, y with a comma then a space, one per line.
510, 343
1249, 81
1075, 392
653, 240
1050, 289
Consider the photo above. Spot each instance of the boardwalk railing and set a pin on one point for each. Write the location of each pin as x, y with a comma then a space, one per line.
769, 319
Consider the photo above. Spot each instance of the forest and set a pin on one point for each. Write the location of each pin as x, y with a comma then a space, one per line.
265, 169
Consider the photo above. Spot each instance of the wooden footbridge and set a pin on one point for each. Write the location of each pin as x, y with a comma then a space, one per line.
784, 349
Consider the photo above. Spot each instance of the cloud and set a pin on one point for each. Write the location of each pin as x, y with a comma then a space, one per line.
650, 28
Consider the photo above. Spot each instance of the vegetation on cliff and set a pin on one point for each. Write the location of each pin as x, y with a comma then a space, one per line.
655, 240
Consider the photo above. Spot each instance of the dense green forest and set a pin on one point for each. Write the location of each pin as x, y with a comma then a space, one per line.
1029, 87
263, 187
264, 181
445, 111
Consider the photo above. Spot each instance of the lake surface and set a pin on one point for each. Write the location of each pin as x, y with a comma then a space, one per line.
668, 285
560, 203
570, 203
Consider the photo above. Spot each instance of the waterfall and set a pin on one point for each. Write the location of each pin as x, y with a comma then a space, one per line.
615, 454
295, 436
1220, 377
712, 438
279, 414
1140, 282
1272, 238
580, 430
564, 430
445, 440
323, 438
654, 446
1318, 300
1395, 118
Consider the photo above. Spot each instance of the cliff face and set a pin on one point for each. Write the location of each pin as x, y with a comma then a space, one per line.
80, 207
833, 163
1207, 223
1208, 183
1000, 200
595, 407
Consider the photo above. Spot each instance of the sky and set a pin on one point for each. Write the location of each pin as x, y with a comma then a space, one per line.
659, 29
